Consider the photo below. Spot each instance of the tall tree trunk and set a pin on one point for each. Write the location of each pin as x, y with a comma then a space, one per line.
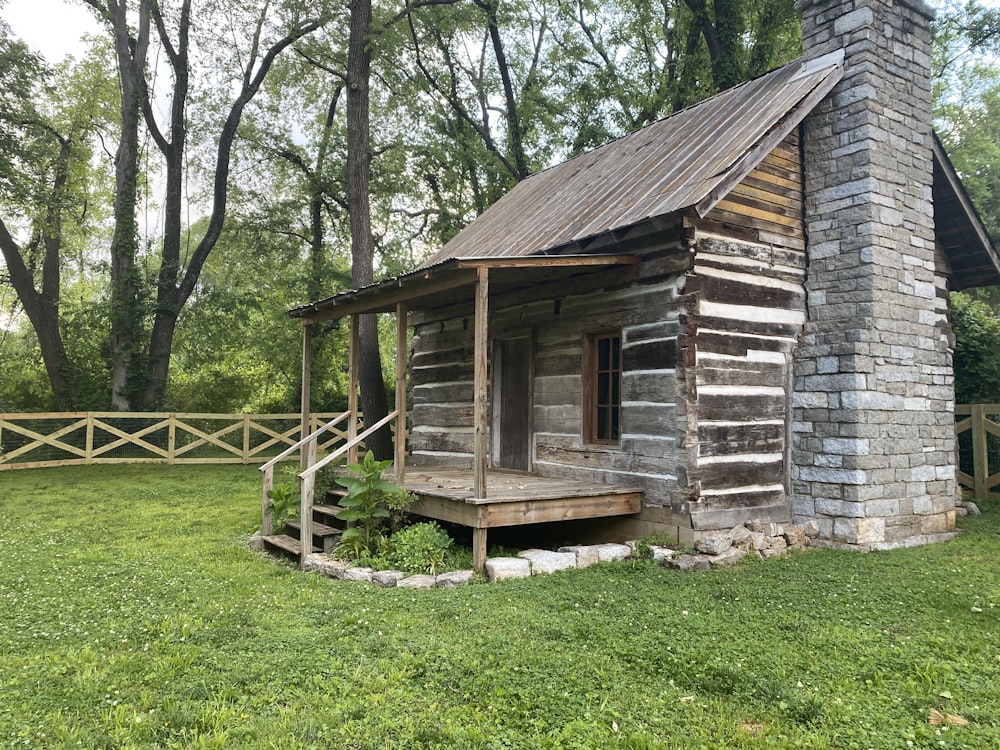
127, 367
42, 309
359, 158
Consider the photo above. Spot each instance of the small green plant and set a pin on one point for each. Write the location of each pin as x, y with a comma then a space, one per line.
284, 499
644, 545
367, 505
421, 548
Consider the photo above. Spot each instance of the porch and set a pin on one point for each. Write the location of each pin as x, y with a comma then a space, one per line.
485, 496
511, 499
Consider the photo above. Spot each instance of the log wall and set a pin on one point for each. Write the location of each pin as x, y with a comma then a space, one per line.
707, 336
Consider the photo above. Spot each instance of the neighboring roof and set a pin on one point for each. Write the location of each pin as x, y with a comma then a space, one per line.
449, 282
691, 159
960, 230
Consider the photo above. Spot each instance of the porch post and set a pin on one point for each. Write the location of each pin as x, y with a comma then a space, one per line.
481, 403
400, 390
352, 393
307, 455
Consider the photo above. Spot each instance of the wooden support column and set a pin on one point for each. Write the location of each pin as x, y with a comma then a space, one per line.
401, 358
481, 396
354, 354
480, 410
980, 454
304, 458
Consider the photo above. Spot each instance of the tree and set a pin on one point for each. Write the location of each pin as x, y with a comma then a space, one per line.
46, 149
977, 351
140, 365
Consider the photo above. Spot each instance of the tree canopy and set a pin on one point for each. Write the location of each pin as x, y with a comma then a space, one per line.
209, 164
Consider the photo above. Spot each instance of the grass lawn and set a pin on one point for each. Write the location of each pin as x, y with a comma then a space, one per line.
133, 615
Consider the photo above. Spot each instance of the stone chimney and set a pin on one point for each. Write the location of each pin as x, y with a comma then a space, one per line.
873, 445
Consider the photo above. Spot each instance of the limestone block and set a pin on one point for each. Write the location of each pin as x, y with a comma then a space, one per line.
937, 523
387, 579
812, 528
454, 578
660, 554
771, 552
971, 508
859, 530
688, 563
586, 554
417, 582
502, 568
795, 535
545, 561
713, 545
609, 552
358, 574
727, 559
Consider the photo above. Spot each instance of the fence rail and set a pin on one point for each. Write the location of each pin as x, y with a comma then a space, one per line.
36, 440
977, 429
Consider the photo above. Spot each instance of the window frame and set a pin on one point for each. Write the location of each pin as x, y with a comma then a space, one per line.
591, 388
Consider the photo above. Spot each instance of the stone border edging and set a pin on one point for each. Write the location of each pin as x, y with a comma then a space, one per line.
725, 549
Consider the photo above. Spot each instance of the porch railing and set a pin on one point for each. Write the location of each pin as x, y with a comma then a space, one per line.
308, 477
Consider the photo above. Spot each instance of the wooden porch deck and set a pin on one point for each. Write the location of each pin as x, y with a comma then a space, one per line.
512, 499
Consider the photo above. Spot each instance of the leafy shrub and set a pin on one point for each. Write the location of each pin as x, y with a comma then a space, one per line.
421, 548
367, 504
284, 499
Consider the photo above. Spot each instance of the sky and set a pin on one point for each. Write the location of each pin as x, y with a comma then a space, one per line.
52, 27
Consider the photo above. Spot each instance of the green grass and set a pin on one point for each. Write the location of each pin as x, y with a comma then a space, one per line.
132, 615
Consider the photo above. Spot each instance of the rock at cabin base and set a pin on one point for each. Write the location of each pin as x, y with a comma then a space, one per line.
544, 561
501, 568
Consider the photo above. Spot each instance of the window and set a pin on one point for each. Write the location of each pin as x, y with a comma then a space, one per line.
602, 368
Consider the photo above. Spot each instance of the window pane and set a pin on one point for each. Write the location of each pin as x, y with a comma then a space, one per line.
614, 423
616, 397
603, 388
616, 353
603, 354
602, 424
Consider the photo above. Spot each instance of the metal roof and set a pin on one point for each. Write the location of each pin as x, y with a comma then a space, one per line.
690, 159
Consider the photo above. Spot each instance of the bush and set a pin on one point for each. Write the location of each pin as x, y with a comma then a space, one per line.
421, 548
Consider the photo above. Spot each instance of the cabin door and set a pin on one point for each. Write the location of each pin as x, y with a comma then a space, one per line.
512, 403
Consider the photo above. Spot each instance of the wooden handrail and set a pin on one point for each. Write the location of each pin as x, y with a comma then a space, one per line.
348, 445
308, 477
266, 522
311, 436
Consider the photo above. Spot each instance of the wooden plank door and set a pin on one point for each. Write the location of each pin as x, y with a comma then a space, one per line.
512, 403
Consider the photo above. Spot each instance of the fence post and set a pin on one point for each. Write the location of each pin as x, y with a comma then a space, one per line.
89, 446
171, 436
980, 457
246, 438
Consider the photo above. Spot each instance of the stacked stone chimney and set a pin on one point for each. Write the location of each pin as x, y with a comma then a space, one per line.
874, 441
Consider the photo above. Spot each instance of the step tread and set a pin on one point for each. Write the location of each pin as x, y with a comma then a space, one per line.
318, 529
285, 543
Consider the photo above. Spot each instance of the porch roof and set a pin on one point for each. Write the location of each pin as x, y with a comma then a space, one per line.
450, 282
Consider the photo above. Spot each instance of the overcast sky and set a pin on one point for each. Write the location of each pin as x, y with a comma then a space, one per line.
52, 27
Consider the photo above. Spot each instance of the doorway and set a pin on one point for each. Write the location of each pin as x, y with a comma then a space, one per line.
512, 402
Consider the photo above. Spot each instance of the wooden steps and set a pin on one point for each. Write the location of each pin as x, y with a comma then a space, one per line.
285, 545
326, 530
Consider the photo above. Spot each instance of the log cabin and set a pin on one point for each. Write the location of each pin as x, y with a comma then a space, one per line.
738, 312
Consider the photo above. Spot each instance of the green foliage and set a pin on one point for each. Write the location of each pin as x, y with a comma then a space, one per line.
644, 545
159, 628
977, 351
367, 505
284, 499
420, 548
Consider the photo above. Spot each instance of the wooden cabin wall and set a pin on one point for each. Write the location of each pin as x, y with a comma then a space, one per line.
749, 280
648, 312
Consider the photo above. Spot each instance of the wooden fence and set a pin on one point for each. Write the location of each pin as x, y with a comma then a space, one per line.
64, 439
977, 428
